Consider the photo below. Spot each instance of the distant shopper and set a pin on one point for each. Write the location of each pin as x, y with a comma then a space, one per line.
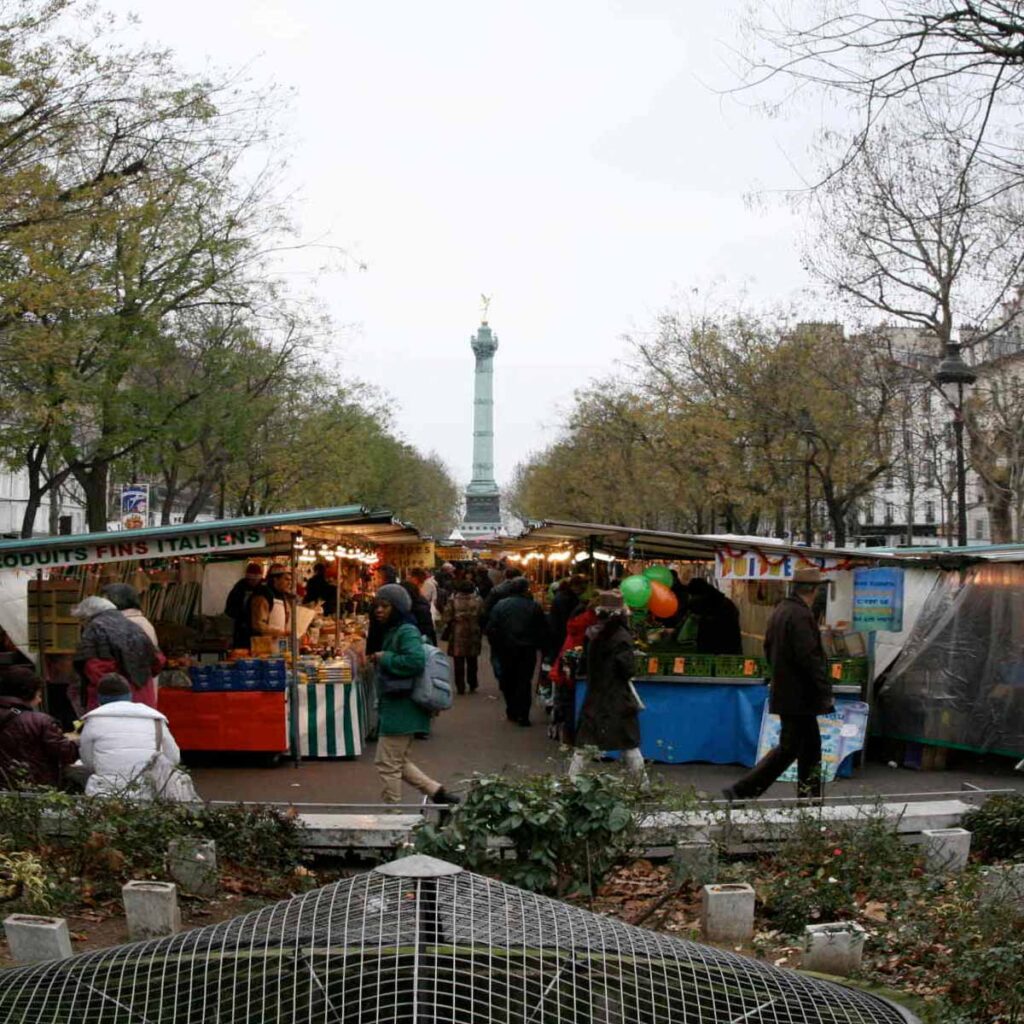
609, 718
420, 611
461, 626
33, 750
239, 605
427, 586
518, 632
111, 643
800, 691
129, 748
272, 607
498, 593
398, 664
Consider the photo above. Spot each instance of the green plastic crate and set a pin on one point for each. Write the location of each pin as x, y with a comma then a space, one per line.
649, 663
690, 665
737, 666
848, 670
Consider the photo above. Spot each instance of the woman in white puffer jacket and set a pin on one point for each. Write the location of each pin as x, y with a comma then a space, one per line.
120, 741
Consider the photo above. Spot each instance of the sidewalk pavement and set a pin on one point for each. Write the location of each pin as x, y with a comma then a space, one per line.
474, 736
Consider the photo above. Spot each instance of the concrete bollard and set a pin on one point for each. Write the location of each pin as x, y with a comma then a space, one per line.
834, 948
1003, 885
151, 909
695, 861
34, 938
192, 863
946, 849
727, 914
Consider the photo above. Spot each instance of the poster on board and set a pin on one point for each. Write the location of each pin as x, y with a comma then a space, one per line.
842, 734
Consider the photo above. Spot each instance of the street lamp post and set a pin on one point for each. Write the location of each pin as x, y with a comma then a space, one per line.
954, 377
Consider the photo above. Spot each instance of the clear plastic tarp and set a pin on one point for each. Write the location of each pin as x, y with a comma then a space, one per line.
959, 681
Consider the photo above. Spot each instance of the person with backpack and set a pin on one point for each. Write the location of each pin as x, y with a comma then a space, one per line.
400, 662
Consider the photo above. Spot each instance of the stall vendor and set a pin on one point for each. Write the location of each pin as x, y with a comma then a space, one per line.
320, 588
239, 604
272, 607
712, 620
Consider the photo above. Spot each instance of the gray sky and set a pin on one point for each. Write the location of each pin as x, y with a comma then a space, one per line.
568, 157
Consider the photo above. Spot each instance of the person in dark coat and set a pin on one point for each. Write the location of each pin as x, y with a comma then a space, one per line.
33, 750
567, 601
609, 718
800, 691
498, 593
718, 619
484, 583
421, 612
517, 631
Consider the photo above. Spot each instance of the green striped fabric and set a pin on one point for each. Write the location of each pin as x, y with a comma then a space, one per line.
329, 723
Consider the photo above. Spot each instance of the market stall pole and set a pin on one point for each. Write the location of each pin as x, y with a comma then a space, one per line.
293, 677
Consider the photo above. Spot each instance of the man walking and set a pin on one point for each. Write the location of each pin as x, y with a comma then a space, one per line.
518, 632
800, 691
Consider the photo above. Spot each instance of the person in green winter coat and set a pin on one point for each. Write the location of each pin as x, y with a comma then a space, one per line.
401, 658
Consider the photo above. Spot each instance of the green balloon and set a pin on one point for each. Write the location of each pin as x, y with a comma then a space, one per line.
659, 573
636, 591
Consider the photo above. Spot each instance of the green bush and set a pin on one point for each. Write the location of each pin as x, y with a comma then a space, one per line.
105, 841
997, 827
565, 836
823, 872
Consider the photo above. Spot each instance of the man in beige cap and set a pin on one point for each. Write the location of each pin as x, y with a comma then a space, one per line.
800, 691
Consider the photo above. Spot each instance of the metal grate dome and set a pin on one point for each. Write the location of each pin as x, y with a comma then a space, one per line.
420, 940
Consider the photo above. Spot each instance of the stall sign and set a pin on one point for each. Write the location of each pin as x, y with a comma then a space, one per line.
409, 556
134, 506
752, 565
842, 734
121, 548
878, 600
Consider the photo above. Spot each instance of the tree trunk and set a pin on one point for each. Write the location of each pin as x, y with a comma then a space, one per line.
34, 459
93, 482
1000, 517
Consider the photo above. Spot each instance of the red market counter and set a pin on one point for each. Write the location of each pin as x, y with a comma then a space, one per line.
229, 721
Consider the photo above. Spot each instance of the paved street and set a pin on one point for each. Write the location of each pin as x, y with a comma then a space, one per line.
475, 737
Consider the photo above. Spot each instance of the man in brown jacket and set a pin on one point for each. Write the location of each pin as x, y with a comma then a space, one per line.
800, 691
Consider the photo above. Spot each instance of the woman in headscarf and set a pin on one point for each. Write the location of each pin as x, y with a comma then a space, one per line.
111, 643
399, 662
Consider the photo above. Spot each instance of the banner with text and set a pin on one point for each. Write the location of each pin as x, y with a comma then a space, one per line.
123, 548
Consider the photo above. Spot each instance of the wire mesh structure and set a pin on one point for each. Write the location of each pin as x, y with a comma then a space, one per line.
419, 940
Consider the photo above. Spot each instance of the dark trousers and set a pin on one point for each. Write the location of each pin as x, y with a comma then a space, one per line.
517, 671
800, 741
465, 666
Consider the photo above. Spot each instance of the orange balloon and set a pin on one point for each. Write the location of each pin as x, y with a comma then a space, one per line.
663, 603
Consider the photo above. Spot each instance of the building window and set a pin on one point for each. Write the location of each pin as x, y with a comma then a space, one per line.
890, 513
928, 472
979, 529
929, 511
926, 400
890, 479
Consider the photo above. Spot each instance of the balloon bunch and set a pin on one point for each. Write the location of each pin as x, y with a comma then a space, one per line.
651, 591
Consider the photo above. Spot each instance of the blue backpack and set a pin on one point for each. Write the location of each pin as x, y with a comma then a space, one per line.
432, 688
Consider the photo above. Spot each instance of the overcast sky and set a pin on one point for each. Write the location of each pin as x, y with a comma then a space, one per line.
569, 157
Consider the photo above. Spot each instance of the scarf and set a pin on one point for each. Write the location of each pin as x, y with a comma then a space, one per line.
110, 635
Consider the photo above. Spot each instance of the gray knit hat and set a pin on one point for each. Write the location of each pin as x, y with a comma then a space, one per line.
397, 596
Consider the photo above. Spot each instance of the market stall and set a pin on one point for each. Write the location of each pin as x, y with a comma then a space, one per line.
299, 691
701, 704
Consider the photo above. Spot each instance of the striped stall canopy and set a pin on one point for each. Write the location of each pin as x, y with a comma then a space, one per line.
329, 724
